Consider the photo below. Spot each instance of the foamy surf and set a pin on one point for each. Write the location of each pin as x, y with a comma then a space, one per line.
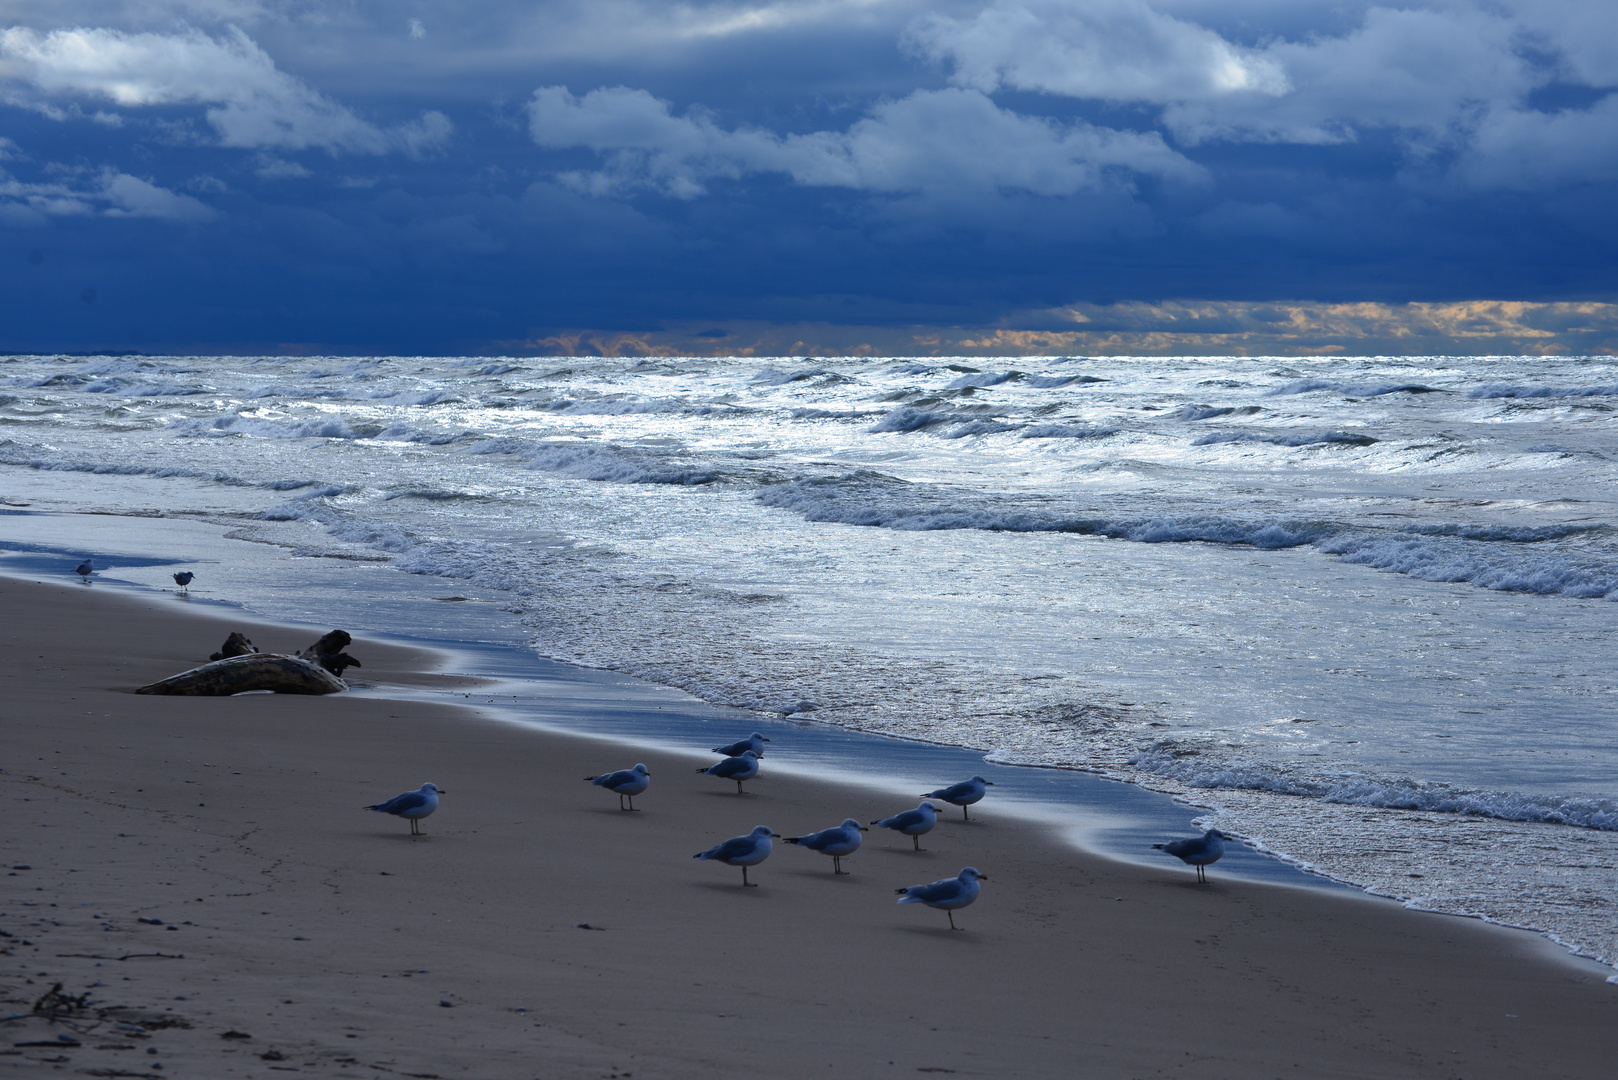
1366, 598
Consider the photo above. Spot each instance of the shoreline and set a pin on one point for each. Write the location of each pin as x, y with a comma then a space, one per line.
1283, 688
331, 939
1252, 858
1097, 812
1144, 823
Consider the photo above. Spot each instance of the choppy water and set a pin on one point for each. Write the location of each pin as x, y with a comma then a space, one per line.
1362, 606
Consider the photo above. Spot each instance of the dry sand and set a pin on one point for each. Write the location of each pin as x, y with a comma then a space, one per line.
339, 946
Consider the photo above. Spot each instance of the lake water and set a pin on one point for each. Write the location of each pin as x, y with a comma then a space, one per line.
1360, 608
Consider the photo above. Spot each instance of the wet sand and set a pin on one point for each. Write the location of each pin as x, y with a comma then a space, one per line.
537, 931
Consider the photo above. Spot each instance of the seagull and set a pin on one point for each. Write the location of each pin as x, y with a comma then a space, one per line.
836, 842
913, 823
963, 794
1198, 851
743, 851
413, 805
754, 742
743, 766
946, 895
85, 569
624, 782
183, 579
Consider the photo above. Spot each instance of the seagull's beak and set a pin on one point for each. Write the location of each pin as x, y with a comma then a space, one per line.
988, 783
983, 877
766, 738
864, 829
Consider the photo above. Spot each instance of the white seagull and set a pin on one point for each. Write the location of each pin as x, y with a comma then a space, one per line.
754, 742
842, 840
743, 766
183, 579
963, 794
946, 895
85, 569
624, 783
1199, 851
913, 823
412, 805
743, 851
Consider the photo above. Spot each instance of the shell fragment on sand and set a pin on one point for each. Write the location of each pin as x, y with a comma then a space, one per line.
255, 671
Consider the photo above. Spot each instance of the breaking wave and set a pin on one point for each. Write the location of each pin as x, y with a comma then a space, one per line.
910, 419
1500, 558
1299, 439
1196, 767
1359, 390
1506, 390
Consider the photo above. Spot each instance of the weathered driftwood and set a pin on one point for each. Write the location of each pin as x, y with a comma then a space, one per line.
328, 653
255, 671
235, 645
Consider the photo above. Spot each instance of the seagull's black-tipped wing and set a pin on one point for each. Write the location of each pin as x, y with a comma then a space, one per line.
816, 840
902, 821
736, 847
410, 800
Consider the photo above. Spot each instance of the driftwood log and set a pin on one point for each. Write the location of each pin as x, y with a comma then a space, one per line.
238, 667
255, 671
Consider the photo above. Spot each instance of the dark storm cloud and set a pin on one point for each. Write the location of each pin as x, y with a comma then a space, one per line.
473, 176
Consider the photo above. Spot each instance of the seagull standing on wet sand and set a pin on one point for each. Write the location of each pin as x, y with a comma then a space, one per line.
624, 783
754, 742
963, 794
743, 851
913, 823
841, 840
743, 766
183, 579
412, 805
946, 895
85, 569
1198, 851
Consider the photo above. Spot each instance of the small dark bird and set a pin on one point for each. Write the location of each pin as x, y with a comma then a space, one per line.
1198, 851
85, 569
183, 579
235, 645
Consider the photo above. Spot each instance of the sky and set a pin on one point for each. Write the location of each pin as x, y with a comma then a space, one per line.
808, 176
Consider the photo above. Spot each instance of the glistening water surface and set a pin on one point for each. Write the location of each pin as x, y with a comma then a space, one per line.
1111, 817
1359, 606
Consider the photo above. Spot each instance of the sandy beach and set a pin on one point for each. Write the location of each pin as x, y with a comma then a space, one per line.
202, 871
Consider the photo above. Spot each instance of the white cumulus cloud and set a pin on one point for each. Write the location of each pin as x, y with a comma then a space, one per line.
1526, 150
250, 102
109, 194
1454, 80
130, 196
1423, 71
941, 142
1114, 50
